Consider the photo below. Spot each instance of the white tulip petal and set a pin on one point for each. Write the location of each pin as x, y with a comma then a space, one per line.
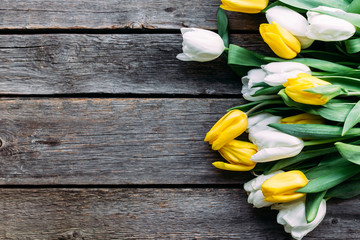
292, 216
328, 28
289, 19
254, 76
253, 188
262, 119
200, 45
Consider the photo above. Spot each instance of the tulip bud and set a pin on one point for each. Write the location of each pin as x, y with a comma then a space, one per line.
328, 28
282, 186
273, 145
292, 216
281, 41
253, 189
304, 118
230, 126
238, 153
244, 6
295, 87
253, 77
262, 119
200, 45
292, 21
277, 73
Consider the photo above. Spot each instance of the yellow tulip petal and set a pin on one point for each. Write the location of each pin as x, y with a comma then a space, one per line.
284, 198
233, 167
244, 6
281, 187
304, 118
238, 152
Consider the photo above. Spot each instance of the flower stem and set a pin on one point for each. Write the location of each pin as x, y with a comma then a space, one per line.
353, 94
263, 104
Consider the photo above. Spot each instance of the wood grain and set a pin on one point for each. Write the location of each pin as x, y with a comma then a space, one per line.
115, 64
118, 14
110, 141
74, 214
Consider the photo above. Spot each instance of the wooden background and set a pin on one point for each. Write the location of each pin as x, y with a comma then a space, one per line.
102, 128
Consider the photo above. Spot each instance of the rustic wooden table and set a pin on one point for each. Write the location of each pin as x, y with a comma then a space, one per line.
102, 127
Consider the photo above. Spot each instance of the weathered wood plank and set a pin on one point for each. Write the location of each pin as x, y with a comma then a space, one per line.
110, 141
121, 64
118, 14
75, 214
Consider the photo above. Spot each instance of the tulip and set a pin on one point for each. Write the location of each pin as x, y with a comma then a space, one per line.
281, 187
295, 87
253, 189
244, 6
277, 73
292, 216
238, 154
253, 77
200, 45
272, 144
304, 118
262, 119
230, 126
281, 41
292, 21
328, 28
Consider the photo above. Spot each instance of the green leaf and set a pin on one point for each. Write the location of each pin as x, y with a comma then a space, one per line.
268, 91
291, 103
329, 91
352, 118
282, 111
324, 169
323, 65
261, 84
309, 4
301, 157
312, 204
243, 57
345, 190
354, 7
330, 179
335, 111
222, 23
353, 45
348, 83
314, 131
349, 152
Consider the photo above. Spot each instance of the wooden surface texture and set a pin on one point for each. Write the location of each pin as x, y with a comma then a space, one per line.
102, 128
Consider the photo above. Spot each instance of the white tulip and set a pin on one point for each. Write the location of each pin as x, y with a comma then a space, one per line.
292, 216
292, 21
277, 73
328, 28
254, 76
200, 45
253, 189
272, 144
262, 119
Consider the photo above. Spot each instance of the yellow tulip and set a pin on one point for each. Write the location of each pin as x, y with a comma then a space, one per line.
304, 118
281, 187
238, 154
295, 87
244, 6
281, 41
230, 126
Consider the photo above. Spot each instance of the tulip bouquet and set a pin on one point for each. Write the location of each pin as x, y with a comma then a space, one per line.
301, 124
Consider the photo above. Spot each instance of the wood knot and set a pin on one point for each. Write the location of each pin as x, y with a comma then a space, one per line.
72, 235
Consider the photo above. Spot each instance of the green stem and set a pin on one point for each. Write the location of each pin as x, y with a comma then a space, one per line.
318, 142
352, 94
226, 49
261, 105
